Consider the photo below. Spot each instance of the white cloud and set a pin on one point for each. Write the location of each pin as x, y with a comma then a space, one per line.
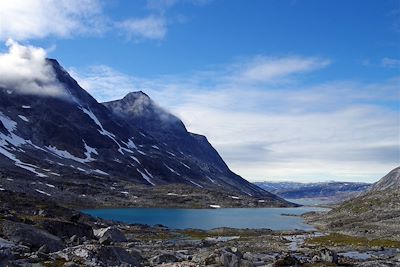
390, 62
24, 69
343, 130
151, 27
37, 19
264, 69
30, 19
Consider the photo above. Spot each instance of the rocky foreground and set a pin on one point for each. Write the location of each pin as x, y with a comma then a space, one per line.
36, 232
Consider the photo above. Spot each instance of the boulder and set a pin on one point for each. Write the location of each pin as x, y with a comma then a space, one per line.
328, 255
5, 256
229, 259
98, 255
116, 256
163, 258
30, 235
64, 229
286, 260
110, 234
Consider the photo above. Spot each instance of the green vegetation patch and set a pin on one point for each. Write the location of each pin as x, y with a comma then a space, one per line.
337, 239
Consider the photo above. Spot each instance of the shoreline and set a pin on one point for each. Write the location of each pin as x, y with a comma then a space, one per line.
65, 236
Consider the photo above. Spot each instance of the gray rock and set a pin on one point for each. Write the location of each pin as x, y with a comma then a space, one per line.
30, 235
286, 260
246, 263
164, 258
43, 249
6, 244
67, 229
73, 239
328, 255
116, 256
5, 256
229, 259
110, 234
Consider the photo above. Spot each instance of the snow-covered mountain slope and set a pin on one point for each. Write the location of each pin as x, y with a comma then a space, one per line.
133, 139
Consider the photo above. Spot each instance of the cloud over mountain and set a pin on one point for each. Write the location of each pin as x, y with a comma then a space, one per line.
25, 70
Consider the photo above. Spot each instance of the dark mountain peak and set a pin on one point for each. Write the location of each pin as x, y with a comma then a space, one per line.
132, 96
139, 109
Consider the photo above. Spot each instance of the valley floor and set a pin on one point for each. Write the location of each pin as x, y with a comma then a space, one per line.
37, 232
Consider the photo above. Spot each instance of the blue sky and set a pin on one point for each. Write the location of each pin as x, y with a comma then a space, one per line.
285, 90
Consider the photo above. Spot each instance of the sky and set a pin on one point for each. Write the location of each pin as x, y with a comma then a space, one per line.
285, 90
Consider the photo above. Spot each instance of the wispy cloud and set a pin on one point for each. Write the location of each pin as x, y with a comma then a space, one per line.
345, 130
37, 19
29, 19
390, 62
151, 27
267, 69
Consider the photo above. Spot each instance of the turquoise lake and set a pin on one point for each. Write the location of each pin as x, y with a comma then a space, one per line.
206, 219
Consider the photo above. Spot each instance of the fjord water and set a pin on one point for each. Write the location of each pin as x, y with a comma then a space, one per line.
256, 218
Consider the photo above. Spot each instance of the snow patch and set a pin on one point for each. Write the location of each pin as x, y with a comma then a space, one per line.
135, 159
212, 180
100, 172
89, 152
102, 130
185, 165
23, 118
130, 144
172, 170
141, 152
42, 192
172, 154
146, 176
66, 155
196, 184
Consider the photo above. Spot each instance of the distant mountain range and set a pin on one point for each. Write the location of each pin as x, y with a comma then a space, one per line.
331, 190
72, 145
375, 212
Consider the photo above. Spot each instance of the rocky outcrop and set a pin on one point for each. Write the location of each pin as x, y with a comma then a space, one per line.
65, 229
30, 236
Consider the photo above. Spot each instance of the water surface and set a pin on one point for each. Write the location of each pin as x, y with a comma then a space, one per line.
206, 219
